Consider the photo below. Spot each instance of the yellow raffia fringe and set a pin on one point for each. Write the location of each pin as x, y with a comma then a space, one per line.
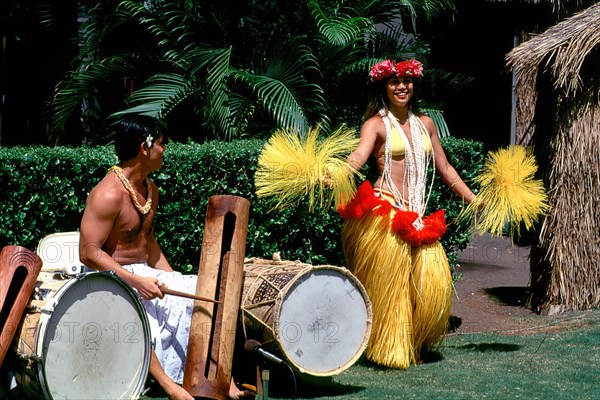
294, 167
509, 193
433, 290
382, 263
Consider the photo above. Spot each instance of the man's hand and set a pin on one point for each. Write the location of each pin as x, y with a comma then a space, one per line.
148, 288
176, 392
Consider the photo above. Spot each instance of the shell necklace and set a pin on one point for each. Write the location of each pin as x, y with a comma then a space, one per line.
417, 163
146, 208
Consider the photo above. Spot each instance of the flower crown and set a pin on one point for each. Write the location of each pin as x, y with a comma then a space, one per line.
386, 68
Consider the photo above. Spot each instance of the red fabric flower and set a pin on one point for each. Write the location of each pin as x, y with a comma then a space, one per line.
410, 68
365, 201
434, 227
386, 68
382, 70
402, 223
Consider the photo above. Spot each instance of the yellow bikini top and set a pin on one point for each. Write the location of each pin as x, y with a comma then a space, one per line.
399, 147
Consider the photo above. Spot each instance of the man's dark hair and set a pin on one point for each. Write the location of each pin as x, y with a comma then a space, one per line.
132, 130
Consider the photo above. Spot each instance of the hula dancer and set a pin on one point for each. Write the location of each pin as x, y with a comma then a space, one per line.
389, 243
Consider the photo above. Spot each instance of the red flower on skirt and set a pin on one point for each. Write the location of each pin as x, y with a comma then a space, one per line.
365, 200
434, 227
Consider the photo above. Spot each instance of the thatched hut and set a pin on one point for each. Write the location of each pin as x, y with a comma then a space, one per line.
558, 112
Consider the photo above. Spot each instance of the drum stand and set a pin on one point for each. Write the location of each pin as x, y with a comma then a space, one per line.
209, 361
20, 268
265, 384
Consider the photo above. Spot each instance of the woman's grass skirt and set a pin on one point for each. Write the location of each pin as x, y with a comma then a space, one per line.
410, 289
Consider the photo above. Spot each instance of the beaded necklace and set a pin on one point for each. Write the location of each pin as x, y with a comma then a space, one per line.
142, 209
416, 165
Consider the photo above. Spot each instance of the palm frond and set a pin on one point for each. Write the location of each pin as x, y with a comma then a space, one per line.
163, 21
216, 108
243, 108
283, 90
276, 74
338, 30
100, 21
80, 84
277, 99
428, 8
438, 119
46, 15
165, 24
200, 58
160, 95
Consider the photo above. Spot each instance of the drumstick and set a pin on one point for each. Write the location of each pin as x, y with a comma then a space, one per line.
166, 290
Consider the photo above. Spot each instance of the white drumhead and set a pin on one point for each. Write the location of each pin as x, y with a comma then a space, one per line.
324, 321
95, 344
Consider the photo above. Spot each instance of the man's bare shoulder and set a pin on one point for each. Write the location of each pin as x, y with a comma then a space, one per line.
107, 194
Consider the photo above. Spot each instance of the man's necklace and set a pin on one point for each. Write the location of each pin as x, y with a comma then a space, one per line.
146, 208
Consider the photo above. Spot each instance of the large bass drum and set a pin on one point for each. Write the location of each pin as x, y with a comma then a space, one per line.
84, 337
318, 318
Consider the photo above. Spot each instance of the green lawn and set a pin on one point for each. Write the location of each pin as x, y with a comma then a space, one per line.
562, 361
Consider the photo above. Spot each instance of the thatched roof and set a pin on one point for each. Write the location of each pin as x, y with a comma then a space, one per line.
562, 49
558, 111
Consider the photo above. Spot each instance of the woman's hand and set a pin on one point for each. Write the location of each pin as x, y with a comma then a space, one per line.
326, 177
333, 173
478, 203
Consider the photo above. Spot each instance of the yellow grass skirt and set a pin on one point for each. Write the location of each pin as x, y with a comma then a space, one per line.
410, 289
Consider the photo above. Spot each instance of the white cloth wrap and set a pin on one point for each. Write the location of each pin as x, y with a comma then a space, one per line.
169, 318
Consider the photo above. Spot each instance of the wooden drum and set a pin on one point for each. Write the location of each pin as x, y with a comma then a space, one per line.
84, 337
318, 318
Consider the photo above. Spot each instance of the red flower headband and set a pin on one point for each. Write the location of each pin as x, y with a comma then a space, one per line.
385, 69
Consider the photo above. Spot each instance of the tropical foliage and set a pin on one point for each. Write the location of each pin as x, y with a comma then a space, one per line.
220, 69
45, 190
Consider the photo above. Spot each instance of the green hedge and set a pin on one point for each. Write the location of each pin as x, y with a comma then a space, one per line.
44, 191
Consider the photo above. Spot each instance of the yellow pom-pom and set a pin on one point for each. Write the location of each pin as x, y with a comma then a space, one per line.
509, 193
292, 167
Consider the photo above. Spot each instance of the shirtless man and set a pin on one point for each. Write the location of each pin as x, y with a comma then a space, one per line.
117, 234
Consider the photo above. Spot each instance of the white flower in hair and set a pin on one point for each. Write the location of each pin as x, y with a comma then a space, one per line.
149, 141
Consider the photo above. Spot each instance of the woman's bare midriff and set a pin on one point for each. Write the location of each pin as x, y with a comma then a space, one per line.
397, 175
